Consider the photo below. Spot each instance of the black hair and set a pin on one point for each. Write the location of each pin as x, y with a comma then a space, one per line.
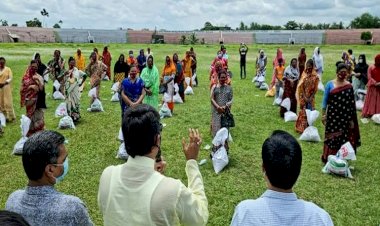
36, 56
280, 61
350, 51
293, 60
71, 58
362, 56
222, 72
39, 150
2, 58
340, 65
310, 62
282, 159
150, 57
33, 62
140, 126
92, 53
121, 55
9, 218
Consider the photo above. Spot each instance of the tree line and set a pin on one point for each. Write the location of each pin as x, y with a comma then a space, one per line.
35, 22
366, 20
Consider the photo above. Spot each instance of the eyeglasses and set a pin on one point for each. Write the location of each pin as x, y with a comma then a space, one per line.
60, 164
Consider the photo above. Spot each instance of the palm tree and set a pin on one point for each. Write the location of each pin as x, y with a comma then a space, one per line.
44, 13
193, 38
183, 40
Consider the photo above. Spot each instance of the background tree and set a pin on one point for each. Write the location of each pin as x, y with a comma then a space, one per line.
308, 26
34, 23
366, 20
14, 25
193, 38
44, 14
183, 40
291, 25
242, 26
4, 23
366, 36
56, 25
208, 26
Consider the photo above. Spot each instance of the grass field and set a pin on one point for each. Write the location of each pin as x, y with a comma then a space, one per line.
93, 145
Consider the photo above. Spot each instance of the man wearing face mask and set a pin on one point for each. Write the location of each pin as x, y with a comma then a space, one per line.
46, 163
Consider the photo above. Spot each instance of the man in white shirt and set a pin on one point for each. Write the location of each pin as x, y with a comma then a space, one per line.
279, 205
136, 193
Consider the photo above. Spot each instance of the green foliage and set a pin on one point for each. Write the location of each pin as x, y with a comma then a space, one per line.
366, 20
366, 35
183, 40
193, 39
4, 23
291, 25
92, 146
14, 25
34, 23
56, 25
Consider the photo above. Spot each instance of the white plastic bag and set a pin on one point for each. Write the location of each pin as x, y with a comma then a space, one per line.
120, 136
46, 78
3, 121
25, 125
278, 100
194, 83
122, 153
189, 91
264, 86
115, 97
346, 152
165, 111
58, 95
187, 80
115, 87
220, 159
66, 123
321, 87
376, 118
167, 98
176, 88
289, 116
92, 93
177, 99
56, 85
61, 110
359, 105
221, 137
311, 132
337, 166
96, 106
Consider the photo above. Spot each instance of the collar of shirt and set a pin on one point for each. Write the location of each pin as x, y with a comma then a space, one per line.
140, 162
40, 190
279, 195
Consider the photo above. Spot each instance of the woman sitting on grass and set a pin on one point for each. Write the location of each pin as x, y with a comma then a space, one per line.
339, 113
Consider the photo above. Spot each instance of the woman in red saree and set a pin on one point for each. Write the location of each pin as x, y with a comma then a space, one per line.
31, 84
305, 94
290, 81
301, 60
107, 61
339, 114
372, 99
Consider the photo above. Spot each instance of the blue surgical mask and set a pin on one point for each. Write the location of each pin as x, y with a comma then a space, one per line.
65, 165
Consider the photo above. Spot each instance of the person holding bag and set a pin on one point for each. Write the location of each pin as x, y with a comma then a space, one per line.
221, 101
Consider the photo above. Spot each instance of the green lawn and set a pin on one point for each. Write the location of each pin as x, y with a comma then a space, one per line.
93, 145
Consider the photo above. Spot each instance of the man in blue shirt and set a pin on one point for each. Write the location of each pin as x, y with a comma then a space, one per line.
279, 205
46, 163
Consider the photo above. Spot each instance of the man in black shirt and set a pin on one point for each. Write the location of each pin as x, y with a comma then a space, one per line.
243, 50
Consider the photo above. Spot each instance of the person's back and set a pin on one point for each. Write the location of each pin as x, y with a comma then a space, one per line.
281, 166
277, 208
136, 193
38, 204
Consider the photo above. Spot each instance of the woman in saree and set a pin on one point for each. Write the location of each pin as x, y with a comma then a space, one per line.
279, 75
188, 62
31, 84
74, 79
56, 68
302, 60
6, 100
107, 58
95, 69
120, 70
339, 114
132, 90
305, 94
290, 80
278, 56
150, 76
167, 79
350, 65
261, 68
372, 99
221, 99
179, 78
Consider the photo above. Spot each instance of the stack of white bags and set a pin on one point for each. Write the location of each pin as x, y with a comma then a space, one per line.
311, 132
338, 164
96, 106
57, 95
25, 125
188, 90
278, 100
289, 116
115, 89
177, 98
220, 157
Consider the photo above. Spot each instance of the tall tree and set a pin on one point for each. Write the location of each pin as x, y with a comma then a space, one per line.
34, 23
242, 26
56, 25
366, 20
193, 38
44, 13
4, 23
208, 26
291, 25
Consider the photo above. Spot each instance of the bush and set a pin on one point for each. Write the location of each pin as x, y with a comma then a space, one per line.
366, 36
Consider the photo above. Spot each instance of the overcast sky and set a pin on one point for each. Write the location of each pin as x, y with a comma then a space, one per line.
183, 15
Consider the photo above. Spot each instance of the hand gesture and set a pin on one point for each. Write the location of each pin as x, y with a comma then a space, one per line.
191, 150
160, 166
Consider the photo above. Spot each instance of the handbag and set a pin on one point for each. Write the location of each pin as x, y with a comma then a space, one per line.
163, 89
227, 120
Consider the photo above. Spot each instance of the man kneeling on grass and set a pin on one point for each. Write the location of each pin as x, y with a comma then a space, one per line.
136, 193
46, 163
282, 159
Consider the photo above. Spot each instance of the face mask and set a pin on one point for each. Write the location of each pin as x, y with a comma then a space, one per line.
220, 56
342, 75
65, 165
131, 55
361, 61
